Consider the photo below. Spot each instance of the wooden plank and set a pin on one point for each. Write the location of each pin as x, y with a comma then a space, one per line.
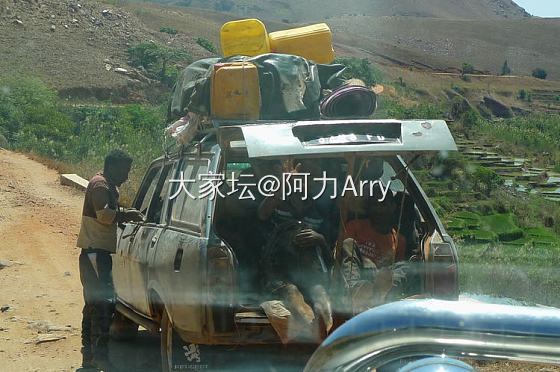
73, 180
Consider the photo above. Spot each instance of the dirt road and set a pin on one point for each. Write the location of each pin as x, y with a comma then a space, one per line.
40, 290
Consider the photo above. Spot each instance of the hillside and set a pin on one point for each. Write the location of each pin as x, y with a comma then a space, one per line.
314, 10
525, 43
76, 47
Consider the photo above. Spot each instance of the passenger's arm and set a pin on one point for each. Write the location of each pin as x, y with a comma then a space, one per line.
106, 215
267, 207
100, 199
308, 238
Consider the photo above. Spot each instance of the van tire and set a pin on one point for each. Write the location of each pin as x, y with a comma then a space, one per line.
176, 354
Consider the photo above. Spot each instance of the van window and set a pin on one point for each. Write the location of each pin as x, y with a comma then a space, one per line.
388, 174
378, 169
147, 190
156, 204
186, 209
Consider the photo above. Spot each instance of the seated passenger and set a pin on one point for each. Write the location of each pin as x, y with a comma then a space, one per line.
297, 256
370, 249
237, 221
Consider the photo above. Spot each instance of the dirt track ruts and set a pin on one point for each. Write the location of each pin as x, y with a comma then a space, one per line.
39, 222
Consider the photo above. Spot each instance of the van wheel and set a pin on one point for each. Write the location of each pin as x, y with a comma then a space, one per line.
176, 354
122, 328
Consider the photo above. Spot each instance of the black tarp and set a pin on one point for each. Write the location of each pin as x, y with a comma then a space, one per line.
290, 86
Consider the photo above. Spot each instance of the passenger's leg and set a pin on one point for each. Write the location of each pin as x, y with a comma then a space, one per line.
351, 264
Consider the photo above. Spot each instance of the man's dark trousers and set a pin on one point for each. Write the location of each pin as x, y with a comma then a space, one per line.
99, 292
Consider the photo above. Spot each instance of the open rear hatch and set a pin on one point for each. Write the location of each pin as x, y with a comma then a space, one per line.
327, 137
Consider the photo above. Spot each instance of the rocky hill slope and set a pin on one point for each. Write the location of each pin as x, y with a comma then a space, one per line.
313, 10
79, 47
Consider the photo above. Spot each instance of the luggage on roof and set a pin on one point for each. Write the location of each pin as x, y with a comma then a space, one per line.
289, 87
312, 42
247, 37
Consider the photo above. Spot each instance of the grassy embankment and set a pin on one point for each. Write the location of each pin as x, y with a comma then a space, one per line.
76, 138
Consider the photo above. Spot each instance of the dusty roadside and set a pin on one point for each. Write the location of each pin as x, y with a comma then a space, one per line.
40, 290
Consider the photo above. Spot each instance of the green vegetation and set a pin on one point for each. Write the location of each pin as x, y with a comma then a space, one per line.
207, 44
500, 235
522, 94
155, 59
457, 89
360, 69
467, 68
32, 119
506, 70
168, 30
537, 132
420, 111
540, 73
486, 180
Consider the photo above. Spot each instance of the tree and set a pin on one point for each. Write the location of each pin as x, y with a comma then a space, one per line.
207, 44
468, 68
168, 30
360, 69
540, 73
486, 179
154, 57
505, 68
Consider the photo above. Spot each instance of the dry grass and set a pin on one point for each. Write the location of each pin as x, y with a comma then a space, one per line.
319, 10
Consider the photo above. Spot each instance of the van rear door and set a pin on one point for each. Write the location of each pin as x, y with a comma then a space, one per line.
328, 137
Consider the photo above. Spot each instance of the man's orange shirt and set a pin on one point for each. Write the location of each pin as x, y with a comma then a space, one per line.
380, 248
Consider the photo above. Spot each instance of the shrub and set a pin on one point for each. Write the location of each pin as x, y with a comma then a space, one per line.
457, 88
467, 68
540, 73
505, 68
3, 142
470, 118
360, 69
420, 111
168, 30
466, 78
155, 58
207, 44
30, 117
486, 180
522, 94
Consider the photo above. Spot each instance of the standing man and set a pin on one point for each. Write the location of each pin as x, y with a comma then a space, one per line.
98, 239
